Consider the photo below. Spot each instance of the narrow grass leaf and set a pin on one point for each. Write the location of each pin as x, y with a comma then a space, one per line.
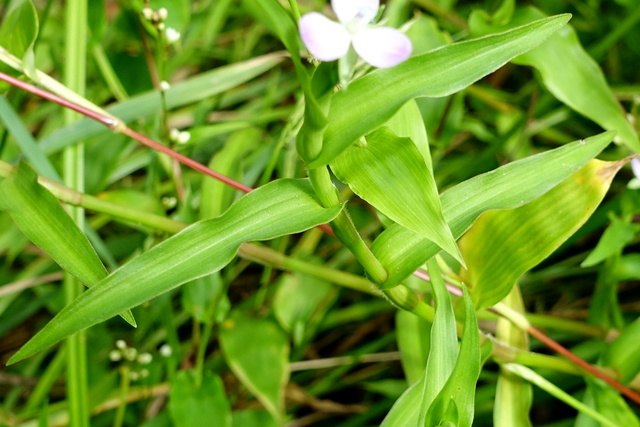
571, 75
617, 235
390, 173
41, 218
608, 402
28, 145
503, 245
555, 391
278, 208
195, 89
195, 405
373, 99
402, 251
257, 351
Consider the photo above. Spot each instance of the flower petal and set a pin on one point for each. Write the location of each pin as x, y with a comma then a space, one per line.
346, 10
326, 40
382, 47
635, 166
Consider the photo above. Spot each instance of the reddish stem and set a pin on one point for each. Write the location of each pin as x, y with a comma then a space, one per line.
553, 345
116, 125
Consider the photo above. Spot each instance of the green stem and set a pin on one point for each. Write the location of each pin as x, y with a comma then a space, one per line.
125, 382
74, 79
343, 227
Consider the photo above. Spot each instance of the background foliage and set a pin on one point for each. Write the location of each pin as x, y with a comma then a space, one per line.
304, 339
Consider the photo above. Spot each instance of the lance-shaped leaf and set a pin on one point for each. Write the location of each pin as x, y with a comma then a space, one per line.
402, 251
390, 173
41, 218
455, 402
372, 100
503, 245
581, 84
455, 391
278, 208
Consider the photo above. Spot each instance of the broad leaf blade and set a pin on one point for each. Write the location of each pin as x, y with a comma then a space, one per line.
41, 218
280, 207
402, 251
257, 351
194, 405
502, 245
390, 173
372, 100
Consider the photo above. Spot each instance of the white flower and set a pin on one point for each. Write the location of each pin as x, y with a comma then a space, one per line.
166, 350
382, 47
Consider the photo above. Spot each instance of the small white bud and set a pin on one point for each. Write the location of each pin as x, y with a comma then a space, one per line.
183, 137
144, 373
121, 344
174, 134
162, 14
147, 13
164, 86
169, 202
134, 376
115, 355
161, 26
166, 350
144, 358
130, 353
172, 35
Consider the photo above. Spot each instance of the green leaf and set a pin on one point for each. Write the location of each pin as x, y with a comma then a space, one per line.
613, 240
408, 123
390, 173
19, 29
455, 402
252, 418
299, 298
402, 251
41, 218
503, 245
257, 351
444, 351
571, 75
413, 337
555, 391
404, 411
608, 402
514, 395
25, 141
278, 208
623, 354
373, 99
193, 405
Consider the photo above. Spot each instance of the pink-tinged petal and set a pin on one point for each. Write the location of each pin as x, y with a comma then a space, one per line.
382, 47
326, 40
346, 10
635, 166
